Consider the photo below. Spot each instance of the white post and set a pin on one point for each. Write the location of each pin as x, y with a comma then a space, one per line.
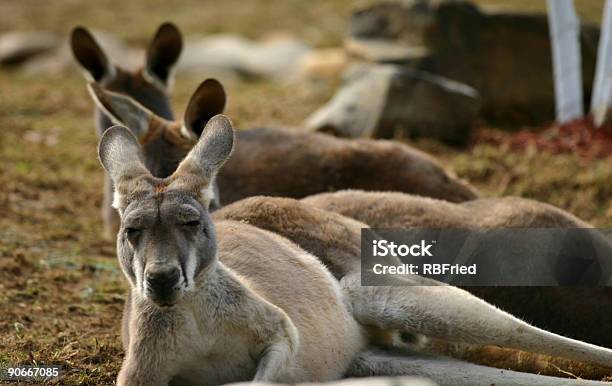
600, 100
565, 43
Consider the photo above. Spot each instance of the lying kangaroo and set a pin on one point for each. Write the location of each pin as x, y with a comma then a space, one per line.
279, 162
267, 161
582, 313
215, 304
211, 304
141, 121
147, 85
430, 308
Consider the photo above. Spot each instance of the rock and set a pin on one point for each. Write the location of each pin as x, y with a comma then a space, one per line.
18, 47
372, 381
355, 109
380, 100
322, 63
52, 63
274, 58
389, 31
505, 56
225, 56
383, 50
61, 59
400, 21
217, 51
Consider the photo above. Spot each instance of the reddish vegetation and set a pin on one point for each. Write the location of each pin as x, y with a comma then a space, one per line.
578, 136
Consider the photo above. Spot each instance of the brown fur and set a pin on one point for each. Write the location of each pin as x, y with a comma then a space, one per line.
273, 162
289, 163
396, 210
333, 238
580, 313
336, 241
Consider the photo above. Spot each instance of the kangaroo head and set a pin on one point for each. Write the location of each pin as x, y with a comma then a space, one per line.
166, 238
147, 85
165, 142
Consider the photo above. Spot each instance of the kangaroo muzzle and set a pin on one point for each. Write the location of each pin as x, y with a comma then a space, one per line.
162, 284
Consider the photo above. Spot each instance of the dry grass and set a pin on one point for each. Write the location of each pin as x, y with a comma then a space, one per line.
318, 22
61, 292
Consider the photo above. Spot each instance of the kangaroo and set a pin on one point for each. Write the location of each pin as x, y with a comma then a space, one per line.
430, 308
281, 162
396, 210
211, 304
112, 102
582, 313
267, 161
148, 85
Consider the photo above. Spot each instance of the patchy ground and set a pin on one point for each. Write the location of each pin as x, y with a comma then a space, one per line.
61, 292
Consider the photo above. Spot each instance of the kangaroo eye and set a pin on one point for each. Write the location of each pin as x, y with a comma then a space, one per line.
131, 231
192, 224
132, 234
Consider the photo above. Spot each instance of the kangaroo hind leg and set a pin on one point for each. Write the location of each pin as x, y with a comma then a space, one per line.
424, 306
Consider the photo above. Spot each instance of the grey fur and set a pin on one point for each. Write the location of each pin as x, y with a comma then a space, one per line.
432, 309
234, 311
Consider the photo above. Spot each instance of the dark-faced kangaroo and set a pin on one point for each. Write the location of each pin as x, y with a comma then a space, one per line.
148, 85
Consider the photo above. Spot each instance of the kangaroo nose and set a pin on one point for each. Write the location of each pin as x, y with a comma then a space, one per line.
163, 280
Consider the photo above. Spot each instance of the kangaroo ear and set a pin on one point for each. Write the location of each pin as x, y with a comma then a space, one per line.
124, 110
119, 154
90, 56
197, 171
207, 101
144, 124
163, 52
